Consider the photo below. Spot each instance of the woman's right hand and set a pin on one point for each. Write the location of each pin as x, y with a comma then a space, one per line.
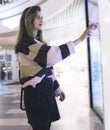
88, 31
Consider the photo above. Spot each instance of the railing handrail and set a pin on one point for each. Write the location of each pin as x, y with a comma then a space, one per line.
12, 5
16, 8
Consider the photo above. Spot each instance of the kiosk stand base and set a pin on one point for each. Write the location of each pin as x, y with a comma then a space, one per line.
95, 122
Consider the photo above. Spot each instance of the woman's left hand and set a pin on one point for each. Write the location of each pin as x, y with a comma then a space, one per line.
62, 96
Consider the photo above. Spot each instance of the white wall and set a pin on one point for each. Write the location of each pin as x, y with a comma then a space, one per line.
104, 16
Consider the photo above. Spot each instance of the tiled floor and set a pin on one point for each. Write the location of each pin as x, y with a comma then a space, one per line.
74, 110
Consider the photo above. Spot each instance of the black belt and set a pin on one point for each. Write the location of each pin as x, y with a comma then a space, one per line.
22, 107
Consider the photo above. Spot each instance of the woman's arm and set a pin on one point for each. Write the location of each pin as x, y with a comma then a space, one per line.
56, 87
47, 56
85, 34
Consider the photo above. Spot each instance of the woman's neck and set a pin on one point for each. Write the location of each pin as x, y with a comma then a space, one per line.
35, 33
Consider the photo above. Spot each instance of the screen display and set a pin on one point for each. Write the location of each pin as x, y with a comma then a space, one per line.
95, 65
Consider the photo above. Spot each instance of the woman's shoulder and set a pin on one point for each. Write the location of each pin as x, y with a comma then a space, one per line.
27, 41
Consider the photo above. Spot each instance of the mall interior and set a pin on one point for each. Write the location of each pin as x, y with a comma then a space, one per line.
84, 76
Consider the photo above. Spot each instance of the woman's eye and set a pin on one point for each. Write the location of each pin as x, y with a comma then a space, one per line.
39, 17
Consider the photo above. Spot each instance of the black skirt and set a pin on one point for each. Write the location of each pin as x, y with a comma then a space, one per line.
40, 104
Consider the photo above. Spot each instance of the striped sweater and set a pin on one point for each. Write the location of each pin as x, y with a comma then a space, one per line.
37, 60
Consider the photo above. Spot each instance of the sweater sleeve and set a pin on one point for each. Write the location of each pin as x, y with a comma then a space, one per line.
56, 85
47, 56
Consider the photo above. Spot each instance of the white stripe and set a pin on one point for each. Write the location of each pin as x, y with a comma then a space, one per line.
57, 91
54, 56
33, 82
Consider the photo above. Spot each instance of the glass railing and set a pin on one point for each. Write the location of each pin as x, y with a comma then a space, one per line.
6, 2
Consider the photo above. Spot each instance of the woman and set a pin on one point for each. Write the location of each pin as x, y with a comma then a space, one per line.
36, 69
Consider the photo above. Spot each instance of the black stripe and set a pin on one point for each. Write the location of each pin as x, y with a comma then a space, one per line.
64, 51
46, 71
56, 85
41, 57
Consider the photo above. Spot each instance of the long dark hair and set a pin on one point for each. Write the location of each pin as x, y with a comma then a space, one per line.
26, 28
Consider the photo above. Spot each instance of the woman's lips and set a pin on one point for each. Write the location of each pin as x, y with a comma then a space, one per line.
40, 24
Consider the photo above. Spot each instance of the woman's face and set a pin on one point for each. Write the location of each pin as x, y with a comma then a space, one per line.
38, 20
